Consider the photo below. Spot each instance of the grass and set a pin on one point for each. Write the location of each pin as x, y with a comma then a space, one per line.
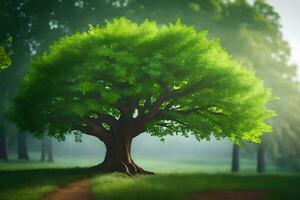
180, 186
175, 180
34, 184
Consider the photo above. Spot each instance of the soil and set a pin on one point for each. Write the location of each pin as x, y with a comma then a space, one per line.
229, 195
78, 190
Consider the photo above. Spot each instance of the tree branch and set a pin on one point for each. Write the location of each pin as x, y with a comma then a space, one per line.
155, 107
93, 129
107, 119
168, 113
202, 84
216, 113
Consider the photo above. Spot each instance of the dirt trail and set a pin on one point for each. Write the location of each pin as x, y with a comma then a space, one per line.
229, 195
78, 190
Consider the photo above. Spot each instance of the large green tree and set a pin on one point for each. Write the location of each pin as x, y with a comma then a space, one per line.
124, 79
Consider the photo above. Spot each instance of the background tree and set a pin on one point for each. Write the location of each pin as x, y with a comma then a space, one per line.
3, 149
235, 165
100, 82
46, 149
33, 25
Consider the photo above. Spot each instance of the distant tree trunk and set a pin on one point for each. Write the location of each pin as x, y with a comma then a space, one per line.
261, 165
22, 147
46, 149
235, 165
50, 153
43, 149
3, 151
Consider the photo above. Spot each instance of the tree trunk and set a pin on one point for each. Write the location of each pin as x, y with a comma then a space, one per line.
46, 149
49, 150
235, 165
3, 152
43, 149
22, 146
261, 165
118, 157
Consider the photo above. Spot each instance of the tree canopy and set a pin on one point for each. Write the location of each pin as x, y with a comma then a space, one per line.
165, 80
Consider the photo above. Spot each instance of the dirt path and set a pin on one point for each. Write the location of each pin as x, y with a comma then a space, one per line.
78, 190
229, 195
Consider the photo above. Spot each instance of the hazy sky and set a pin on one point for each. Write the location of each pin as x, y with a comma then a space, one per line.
289, 11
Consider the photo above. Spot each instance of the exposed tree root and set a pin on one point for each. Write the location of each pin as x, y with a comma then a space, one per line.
130, 169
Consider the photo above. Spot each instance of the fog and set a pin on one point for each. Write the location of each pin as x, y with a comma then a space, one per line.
149, 147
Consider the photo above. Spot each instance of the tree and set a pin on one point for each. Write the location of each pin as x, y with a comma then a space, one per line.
46, 149
261, 163
5, 62
22, 147
3, 151
235, 165
121, 80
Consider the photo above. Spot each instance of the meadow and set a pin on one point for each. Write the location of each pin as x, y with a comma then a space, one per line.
173, 180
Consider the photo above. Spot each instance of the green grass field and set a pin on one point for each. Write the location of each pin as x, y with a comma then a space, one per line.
180, 186
174, 180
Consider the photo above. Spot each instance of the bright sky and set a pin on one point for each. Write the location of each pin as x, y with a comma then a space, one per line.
289, 10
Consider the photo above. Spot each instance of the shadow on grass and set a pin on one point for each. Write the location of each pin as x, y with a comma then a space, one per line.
33, 184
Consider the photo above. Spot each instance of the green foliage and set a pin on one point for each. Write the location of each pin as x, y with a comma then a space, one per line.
90, 72
4, 59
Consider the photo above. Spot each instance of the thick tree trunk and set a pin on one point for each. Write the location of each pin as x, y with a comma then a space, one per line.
3, 152
261, 165
235, 165
118, 157
22, 147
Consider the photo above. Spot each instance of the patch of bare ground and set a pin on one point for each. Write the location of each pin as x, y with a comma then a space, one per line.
229, 195
78, 190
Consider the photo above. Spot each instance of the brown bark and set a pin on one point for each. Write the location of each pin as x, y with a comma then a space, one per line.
22, 147
235, 165
118, 156
119, 137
